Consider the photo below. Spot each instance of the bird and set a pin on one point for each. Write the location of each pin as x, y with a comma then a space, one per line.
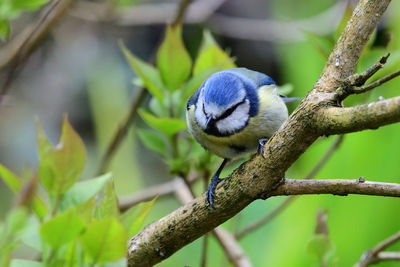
233, 113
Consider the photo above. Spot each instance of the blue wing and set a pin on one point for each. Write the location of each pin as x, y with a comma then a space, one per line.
257, 78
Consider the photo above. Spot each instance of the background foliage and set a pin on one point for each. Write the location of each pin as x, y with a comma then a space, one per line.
81, 70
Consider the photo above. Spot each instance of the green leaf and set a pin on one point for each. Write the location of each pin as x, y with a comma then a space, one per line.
108, 204
173, 60
25, 263
83, 191
61, 229
179, 166
15, 184
150, 75
28, 4
104, 240
62, 166
157, 108
168, 126
285, 89
4, 30
86, 209
10, 179
39, 207
31, 235
44, 146
134, 217
153, 141
16, 220
323, 44
211, 55
319, 246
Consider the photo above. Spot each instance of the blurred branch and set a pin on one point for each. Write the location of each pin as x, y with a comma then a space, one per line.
376, 254
204, 11
121, 132
251, 227
340, 187
181, 12
125, 202
235, 253
273, 30
203, 261
261, 177
149, 193
147, 14
15, 52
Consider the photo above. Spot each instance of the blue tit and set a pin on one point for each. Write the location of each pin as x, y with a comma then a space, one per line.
233, 113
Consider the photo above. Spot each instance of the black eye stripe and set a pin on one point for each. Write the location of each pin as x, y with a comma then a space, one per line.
230, 110
204, 111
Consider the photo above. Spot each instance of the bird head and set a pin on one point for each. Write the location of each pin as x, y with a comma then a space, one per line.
223, 105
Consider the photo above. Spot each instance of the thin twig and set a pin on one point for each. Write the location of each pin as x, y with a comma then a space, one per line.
149, 193
251, 227
360, 78
375, 254
340, 187
121, 132
20, 48
377, 83
203, 261
181, 12
389, 256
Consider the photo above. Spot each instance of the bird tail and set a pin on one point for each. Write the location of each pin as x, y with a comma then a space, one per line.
290, 99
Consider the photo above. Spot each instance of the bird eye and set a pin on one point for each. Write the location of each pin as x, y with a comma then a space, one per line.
204, 111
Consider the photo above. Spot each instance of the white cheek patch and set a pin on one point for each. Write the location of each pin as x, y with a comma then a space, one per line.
236, 121
213, 109
198, 113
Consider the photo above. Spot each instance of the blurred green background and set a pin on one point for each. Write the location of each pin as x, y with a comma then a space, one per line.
80, 70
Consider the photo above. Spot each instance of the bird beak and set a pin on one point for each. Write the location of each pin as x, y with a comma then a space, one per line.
208, 121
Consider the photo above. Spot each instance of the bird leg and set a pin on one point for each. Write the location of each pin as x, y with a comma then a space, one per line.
260, 146
215, 180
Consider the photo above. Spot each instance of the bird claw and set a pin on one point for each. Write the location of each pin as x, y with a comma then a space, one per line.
260, 146
211, 190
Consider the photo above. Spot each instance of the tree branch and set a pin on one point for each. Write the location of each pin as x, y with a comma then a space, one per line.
229, 244
341, 187
251, 227
258, 177
335, 120
375, 254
